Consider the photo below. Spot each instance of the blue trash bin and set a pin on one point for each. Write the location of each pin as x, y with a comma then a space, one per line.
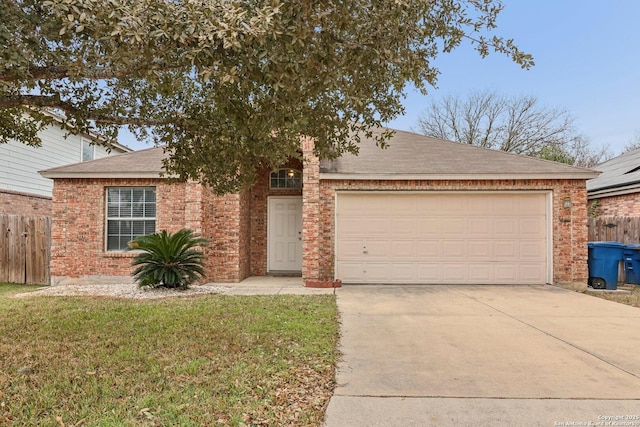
631, 255
604, 258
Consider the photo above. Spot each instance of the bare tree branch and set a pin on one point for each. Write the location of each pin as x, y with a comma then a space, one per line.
518, 125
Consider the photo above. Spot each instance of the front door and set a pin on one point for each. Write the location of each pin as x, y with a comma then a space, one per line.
285, 234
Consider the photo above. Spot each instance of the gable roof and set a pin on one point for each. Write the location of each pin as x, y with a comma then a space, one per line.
414, 156
620, 175
409, 156
136, 164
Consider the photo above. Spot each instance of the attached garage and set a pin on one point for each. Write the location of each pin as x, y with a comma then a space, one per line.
443, 237
428, 211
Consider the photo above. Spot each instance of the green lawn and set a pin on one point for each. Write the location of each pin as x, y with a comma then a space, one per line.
8, 289
211, 360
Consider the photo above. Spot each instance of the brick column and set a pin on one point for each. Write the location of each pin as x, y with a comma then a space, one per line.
579, 233
311, 220
310, 213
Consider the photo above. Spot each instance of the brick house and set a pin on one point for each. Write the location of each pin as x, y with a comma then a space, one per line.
616, 191
423, 210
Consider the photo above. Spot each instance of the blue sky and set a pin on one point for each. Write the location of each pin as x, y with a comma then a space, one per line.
587, 56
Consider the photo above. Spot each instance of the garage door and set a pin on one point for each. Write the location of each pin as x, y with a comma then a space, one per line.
448, 238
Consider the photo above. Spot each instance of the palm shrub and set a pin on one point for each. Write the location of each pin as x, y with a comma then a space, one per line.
168, 260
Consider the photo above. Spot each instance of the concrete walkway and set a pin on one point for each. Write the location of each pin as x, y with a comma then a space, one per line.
485, 355
271, 285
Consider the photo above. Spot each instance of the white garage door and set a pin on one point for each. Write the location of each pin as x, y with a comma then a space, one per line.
448, 238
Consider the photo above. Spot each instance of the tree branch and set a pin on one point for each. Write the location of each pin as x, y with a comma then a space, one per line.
41, 101
55, 72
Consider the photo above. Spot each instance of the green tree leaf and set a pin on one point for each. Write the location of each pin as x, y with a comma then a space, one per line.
227, 85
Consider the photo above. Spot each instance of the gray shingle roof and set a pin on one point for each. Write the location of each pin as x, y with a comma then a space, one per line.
620, 175
137, 164
411, 154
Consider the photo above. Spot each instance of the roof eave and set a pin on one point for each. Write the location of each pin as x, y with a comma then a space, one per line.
101, 175
455, 177
619, 186
613, 191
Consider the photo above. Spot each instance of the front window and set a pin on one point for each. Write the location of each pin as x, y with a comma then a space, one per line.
131, 213
286, 178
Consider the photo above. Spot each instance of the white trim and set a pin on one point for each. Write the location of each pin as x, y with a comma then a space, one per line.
79, 175
455, 177
268, 246
548, 208
444, 191
278, 178
105, 196
93, 149
549, 202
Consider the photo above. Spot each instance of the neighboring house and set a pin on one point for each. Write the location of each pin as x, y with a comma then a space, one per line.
616, 192
423, 210
25, 192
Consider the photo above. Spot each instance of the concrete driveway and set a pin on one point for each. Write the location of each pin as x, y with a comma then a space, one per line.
485, 355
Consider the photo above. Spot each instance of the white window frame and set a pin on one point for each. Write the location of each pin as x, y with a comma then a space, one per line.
286, 179
130, 218
84, 141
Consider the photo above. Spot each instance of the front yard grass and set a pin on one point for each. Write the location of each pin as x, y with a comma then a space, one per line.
8, 289
213, 360
630, 296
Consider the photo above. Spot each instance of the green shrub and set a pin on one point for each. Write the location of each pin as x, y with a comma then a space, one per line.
168, 260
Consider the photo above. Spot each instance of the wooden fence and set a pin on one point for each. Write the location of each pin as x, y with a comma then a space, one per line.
25, 249
614, 229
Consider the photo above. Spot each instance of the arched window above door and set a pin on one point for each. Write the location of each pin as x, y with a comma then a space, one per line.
286, 178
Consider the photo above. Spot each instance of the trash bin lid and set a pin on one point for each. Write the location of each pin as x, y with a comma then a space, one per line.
632, 250
606, 245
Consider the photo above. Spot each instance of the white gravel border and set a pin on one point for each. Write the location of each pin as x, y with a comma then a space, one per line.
123, 290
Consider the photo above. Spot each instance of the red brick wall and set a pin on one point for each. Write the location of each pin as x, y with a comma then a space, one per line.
569, 224
315, 259
237, 223
14, 203
624, 205
78, 230
225, 223
258, 198
244, 237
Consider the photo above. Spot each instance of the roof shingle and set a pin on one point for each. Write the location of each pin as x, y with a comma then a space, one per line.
137, 164
620, 174
413, 154
408, 155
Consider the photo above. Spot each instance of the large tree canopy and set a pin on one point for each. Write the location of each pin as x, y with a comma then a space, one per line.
516, 124
226, 84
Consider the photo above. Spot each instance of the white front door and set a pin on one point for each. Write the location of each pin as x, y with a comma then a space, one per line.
285, 234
